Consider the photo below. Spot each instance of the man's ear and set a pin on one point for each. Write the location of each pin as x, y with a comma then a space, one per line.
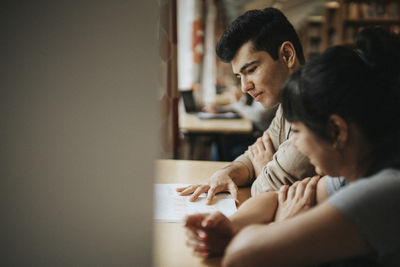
288, 54
338, 130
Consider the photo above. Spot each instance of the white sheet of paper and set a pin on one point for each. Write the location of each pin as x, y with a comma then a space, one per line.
170, 207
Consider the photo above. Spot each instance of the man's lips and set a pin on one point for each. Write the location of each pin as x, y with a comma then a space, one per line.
255, 95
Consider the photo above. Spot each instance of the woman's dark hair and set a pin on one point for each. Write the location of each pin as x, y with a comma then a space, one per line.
267, 29
361, 85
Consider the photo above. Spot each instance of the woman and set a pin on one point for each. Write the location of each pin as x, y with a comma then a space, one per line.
344, 107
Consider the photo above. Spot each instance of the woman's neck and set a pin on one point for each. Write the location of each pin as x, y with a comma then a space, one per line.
359, 159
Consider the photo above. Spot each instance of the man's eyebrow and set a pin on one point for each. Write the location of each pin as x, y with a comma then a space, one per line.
247, 64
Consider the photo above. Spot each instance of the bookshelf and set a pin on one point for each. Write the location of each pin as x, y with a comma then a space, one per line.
310, 36
329, 25
356, 14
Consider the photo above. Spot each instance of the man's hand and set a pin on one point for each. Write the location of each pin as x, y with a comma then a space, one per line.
208, 234
220, 181
261, 153
296, 199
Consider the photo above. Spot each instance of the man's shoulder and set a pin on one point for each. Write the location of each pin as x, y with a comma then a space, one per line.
283, 125
279, 111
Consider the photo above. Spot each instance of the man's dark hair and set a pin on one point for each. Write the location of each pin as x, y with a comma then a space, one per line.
267, 29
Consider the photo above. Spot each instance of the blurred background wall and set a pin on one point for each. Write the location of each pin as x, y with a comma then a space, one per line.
78, 122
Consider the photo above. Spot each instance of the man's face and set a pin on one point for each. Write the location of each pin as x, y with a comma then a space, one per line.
260, 75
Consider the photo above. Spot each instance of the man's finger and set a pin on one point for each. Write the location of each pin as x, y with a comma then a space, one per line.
188, 190
210, 194
180, 189
260, 145
233, 189
251, 150
201, 189
268, 143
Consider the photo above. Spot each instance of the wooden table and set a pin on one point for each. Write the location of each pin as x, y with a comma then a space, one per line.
192, 127
190, 123
169, 249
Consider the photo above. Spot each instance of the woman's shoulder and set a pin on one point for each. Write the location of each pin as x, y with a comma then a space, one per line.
388, 173
386, 177
386, 181
369, 192
372, 204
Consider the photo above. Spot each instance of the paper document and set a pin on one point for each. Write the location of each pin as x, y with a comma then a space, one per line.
170, 207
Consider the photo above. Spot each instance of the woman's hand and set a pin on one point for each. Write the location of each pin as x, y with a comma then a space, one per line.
296, 199
208, 234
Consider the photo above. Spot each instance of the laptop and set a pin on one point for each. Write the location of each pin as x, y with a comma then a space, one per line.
190, 107
188, 101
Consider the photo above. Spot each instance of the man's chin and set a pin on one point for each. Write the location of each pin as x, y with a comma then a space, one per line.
269, 105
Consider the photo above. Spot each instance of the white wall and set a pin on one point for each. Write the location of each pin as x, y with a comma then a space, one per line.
185, 54
187, 70
209, 68
77, 132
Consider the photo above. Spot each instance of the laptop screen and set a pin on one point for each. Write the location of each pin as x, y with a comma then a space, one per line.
188, 101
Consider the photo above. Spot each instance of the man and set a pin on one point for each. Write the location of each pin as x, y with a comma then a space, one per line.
263, 49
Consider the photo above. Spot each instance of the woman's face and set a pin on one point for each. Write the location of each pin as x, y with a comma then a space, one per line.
322, 154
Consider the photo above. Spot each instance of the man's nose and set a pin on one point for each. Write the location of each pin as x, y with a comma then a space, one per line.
246, 85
